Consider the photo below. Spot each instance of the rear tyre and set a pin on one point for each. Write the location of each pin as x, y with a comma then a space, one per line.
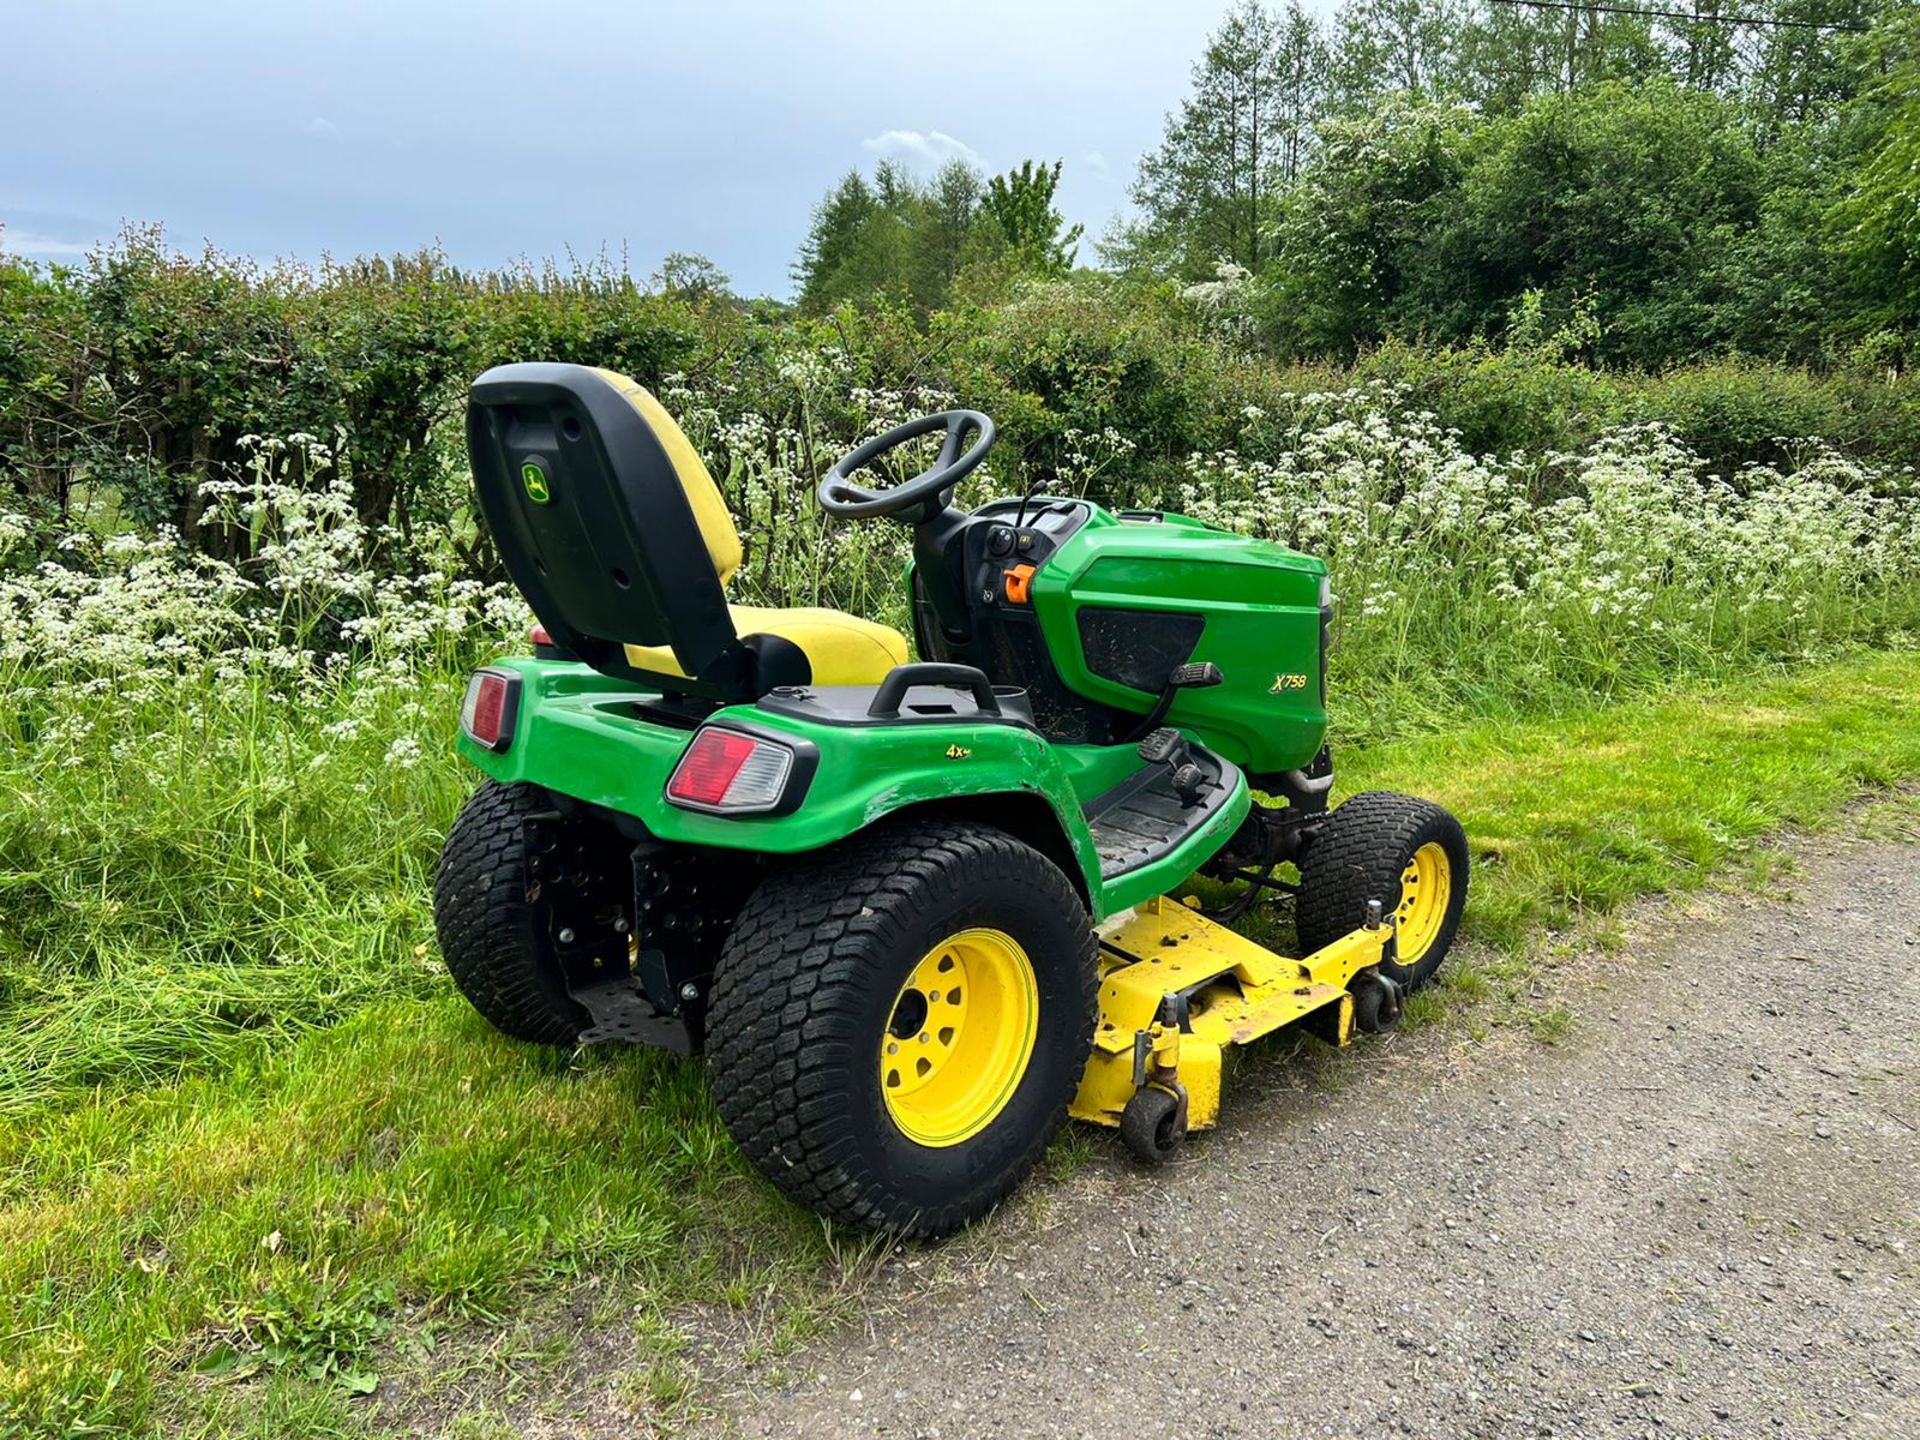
492, 936
897, 1025
1407, 853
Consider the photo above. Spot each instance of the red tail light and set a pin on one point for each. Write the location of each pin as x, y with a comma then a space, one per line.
545, 647
726, 771
492, 703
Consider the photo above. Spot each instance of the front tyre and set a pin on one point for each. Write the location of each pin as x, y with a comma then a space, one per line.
897, 1025
1407, 853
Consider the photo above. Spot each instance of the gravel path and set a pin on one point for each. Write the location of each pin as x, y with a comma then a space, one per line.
1699, 1215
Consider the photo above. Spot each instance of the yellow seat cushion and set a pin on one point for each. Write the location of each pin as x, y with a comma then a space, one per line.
841, 649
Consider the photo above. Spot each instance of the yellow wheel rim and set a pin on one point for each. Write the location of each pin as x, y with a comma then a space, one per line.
1426, 886
960, 1037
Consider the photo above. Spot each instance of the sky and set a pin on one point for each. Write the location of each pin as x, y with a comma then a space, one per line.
503, 129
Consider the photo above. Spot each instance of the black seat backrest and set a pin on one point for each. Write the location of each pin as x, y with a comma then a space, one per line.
608, 522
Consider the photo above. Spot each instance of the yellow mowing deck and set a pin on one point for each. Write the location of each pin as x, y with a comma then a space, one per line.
1176, 989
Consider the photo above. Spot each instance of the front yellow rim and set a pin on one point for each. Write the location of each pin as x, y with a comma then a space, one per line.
960, 1038
1426, 887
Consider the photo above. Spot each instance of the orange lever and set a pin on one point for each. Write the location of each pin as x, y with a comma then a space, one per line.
1019, 582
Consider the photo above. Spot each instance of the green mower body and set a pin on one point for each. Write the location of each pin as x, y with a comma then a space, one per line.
912, 908
1119, 601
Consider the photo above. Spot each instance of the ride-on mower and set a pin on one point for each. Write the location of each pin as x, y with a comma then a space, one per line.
914, 911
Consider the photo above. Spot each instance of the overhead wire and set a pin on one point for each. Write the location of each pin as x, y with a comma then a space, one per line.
1783, 22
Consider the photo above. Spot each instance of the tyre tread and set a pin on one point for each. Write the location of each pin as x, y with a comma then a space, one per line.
489, 930
777, 1044
1356, 858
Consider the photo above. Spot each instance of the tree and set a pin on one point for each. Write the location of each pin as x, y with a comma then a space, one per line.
951, 204
1706, 49
896, 237
692, 277
1301, 65
1877, 223
1802, 74
1358, 240
1654, 209
1507, 54
1207, 195
1624, 198
1395, 47
826, 255
1019, 206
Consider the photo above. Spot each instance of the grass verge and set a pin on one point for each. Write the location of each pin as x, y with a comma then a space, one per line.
1574, 814
248, 1251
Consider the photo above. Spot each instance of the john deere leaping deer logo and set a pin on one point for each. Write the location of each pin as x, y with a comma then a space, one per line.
535, 481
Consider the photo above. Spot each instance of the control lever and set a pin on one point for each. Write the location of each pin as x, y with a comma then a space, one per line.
1167, 746
1188, 781
1194, 675
1163, 746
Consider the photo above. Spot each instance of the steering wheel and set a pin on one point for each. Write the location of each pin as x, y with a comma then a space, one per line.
930, 491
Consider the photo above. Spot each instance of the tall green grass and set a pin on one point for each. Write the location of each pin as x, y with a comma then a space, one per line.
195, 874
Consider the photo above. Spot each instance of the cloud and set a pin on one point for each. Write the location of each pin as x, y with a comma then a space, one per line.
929, 151
30, 246
1096, 163
321, 128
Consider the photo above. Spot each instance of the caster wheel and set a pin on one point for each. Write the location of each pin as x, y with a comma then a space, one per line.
1152, 1125
1376, 1004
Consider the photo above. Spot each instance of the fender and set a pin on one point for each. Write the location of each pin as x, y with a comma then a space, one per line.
585, 735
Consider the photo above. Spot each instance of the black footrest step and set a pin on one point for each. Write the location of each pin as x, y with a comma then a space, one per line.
1160, 746
620, 1012
1159, 805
